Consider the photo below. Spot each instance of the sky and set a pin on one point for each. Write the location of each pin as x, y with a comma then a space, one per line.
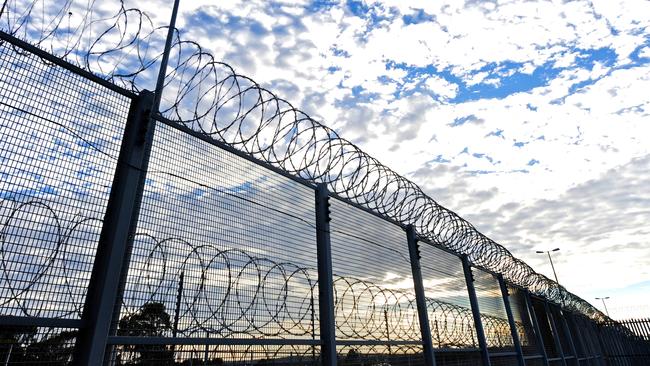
527, 118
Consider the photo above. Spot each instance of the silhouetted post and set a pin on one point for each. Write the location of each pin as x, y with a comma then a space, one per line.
420, 299
206, 351
575, 330
177, 310
538, 333
596, 340
555, 331
438, 332
569, 337
478, 324
313, 323
118, 231
511, 321
390, 349
325, 281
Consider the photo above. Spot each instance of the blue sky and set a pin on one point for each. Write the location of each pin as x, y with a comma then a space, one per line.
530, 119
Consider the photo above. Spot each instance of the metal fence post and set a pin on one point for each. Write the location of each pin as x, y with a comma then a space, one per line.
538, 332
478, 324
511, 320
573, 328
325, 281
569, 337
414, 255
116, 237
555, 331
597, 333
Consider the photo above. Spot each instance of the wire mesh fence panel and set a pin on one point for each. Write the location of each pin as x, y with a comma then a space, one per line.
380, 355
448, 306
30, 345
224, 248
545, 328
534, 362
216, 355
578, 338
590, 337
112, 39
504, 361
457, 357
493, 312
59, 138
373, 285
565, 342
523, 322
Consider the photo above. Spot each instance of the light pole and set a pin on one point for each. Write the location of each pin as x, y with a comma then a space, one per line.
548, 252
603, 300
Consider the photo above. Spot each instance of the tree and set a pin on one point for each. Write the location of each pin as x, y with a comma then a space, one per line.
353, 358
54, 350
150, 321
18, 344
13, 340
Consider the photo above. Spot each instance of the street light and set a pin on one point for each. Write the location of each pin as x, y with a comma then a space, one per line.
603, 300
548, 252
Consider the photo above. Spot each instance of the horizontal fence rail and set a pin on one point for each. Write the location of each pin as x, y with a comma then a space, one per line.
230, 228
210, 98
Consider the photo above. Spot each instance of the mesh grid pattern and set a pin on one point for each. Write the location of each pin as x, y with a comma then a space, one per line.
216, 355
535, 362
559, 326
54, 182
578, 341
493, 312
545, 328
582, 337
589, 336
452, 357
523, 322
450, 315
29, 345
373, 286
223, 247
503, 361
379, 355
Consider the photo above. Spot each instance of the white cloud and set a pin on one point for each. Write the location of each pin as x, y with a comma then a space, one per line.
536, 143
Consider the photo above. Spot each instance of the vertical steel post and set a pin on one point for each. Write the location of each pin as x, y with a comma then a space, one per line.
597, 333
118, 230
162, 72
555, 331
390, 350
537, 330
511, 321
478, 324
420, 299
579, 337
325, 281
569, 337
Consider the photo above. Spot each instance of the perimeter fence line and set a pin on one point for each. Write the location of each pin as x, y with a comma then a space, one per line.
228, 227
